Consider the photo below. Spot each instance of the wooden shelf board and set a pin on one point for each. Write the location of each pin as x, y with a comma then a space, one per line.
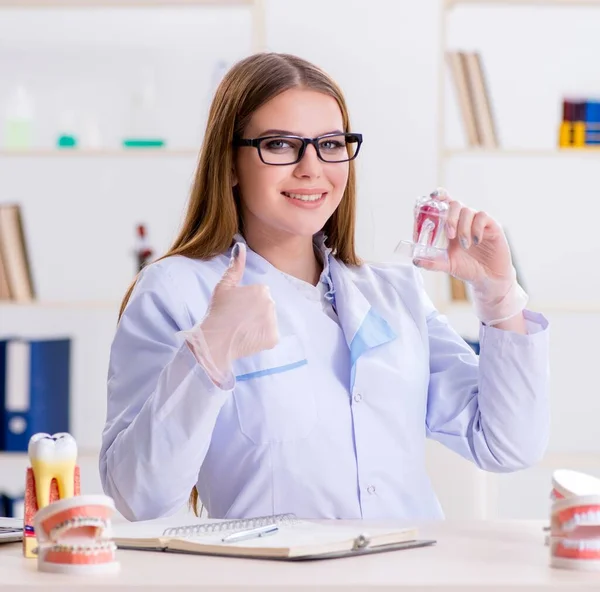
105, 153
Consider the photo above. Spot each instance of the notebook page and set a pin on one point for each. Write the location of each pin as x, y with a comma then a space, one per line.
310, 534
153, 529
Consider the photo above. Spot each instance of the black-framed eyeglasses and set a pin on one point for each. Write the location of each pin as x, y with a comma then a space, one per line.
283, 150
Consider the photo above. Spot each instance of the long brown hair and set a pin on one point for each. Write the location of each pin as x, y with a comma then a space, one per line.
213, 214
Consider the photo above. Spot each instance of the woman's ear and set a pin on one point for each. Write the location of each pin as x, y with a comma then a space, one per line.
234, 177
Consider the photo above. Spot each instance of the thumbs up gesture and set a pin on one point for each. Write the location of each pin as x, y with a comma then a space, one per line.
240, 320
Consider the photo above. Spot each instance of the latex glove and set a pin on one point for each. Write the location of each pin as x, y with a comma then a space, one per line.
478, 254
240, 321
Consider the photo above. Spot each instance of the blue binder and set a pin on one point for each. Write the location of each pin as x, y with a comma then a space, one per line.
473, 344
41, 374
12, 507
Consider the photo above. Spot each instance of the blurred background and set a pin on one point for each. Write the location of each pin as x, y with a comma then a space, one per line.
102, 108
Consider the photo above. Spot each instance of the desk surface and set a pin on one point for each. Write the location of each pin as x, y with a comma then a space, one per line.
477, 556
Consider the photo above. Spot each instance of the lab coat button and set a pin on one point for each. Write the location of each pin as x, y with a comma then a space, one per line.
358, 397
371, 489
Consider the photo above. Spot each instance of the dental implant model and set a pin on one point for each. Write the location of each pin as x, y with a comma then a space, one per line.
430, 238
74, 536
53, 476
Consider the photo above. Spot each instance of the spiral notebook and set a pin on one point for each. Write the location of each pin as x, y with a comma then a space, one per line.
293, 540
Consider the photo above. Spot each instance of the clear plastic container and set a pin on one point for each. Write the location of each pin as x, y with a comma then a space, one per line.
143, 129
18, 123
430, 236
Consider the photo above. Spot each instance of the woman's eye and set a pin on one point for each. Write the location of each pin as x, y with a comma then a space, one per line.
332, 145
277, 145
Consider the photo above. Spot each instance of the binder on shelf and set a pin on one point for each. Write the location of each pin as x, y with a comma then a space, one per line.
34, 389
12, 506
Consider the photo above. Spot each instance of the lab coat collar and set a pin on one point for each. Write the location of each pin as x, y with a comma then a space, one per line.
363, 326
319, 241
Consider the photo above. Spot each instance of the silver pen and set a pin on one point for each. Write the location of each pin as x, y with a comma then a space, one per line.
253, 533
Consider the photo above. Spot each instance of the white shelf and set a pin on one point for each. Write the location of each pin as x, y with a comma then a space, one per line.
120, 3
257, 7
449, 4
104, 153
61, 304
587, 152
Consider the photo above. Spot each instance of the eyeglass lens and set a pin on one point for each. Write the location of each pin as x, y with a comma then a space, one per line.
285, 150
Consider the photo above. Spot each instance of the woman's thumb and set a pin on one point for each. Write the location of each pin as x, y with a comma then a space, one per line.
432, 264
233, 274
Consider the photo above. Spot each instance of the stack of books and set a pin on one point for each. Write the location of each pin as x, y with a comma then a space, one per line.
580, 125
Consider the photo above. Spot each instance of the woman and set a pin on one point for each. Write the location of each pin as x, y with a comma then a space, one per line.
260, 364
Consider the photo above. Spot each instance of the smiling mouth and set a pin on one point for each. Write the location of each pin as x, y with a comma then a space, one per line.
300, 197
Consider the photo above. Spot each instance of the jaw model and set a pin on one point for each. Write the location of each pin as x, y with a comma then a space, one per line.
575, 533
73, 536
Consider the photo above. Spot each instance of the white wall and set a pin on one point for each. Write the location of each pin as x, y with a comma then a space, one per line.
80, 212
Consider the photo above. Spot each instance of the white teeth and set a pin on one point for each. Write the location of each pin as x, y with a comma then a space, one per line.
58, 447
314, 197
581, 544
53, 457
590, 518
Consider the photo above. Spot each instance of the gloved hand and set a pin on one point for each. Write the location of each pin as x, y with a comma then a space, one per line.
478, 254
240, 321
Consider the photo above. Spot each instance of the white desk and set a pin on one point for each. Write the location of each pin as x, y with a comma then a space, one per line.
477, 557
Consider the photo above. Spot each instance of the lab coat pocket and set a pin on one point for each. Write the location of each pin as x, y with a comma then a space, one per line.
274, 394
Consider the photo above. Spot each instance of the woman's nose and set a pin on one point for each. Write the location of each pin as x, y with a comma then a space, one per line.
310, 165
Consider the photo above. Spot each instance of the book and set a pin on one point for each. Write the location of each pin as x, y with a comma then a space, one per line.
16, 281
458, 290
481, 100
456, 61
294, 539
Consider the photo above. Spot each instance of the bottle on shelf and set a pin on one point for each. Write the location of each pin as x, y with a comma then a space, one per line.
91, 136
18, 124
143, 116
67, 138
143, 250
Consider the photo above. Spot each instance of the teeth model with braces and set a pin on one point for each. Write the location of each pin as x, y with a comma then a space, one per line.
74, 536
53, 475
574, 537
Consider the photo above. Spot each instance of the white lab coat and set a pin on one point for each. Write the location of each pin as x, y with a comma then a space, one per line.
332, 422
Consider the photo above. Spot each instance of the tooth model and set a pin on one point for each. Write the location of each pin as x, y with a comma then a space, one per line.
74, 536
53, 475
567, 484
575, 533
